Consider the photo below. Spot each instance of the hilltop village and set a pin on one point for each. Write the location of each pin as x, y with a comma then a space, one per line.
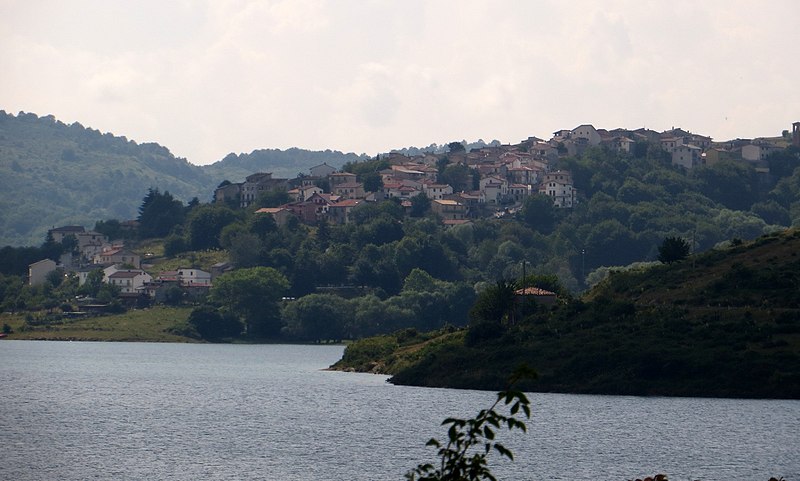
492, 180
458, 187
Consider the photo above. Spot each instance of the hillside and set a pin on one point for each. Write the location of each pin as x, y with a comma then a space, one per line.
54, 174
724, 324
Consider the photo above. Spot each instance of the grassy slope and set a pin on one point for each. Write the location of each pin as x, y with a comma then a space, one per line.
727, 324
150, 325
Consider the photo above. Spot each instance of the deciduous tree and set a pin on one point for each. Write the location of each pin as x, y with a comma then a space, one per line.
253, 295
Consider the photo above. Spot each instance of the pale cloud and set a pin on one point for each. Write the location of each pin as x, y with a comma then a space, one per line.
205, 78
297, 15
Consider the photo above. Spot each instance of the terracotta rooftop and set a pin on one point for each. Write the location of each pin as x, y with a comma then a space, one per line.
533, 291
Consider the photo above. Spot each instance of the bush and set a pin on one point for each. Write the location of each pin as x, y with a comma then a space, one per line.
209, 324
481, 332
364, 352
184, 329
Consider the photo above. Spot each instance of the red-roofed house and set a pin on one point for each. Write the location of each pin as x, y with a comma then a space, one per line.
541, 296
280, 214
339, 212
449, 209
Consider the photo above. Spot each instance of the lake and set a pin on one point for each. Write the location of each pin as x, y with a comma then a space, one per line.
79, 411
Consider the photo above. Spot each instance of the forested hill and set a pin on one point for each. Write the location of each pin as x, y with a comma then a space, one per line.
725, 323
54, 174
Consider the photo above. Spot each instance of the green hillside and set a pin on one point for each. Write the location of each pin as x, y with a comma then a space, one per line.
726, 323
54, 174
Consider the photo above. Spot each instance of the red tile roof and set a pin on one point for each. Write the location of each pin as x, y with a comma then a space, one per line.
533, 291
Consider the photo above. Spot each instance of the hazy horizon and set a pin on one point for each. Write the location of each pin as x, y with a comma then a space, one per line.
205, 78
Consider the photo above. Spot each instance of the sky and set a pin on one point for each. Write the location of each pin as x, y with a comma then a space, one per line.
207, 78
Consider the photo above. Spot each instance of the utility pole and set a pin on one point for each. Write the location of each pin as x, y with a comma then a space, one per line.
583, 266
524, 297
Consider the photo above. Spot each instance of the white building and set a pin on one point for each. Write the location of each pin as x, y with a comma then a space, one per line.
758, 152
687, 156
437, 191
558, 185
587, 132
190, 277
129, 280
494, 188
37, 272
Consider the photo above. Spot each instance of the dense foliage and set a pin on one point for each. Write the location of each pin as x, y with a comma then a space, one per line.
724, 323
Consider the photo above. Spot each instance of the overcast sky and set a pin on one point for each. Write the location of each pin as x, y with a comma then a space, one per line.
205, 78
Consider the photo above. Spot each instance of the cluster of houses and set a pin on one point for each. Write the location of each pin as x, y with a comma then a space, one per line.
120, 267
508, 174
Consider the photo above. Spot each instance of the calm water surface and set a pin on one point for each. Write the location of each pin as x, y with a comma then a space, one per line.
77, 411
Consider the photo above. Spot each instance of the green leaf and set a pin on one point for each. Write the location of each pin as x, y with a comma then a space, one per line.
503, 451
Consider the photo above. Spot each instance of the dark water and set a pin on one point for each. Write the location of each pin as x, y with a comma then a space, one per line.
75, 411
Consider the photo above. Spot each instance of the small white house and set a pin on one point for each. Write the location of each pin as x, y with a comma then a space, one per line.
558, 185
494, 188
129, 280
194, 277
437, 191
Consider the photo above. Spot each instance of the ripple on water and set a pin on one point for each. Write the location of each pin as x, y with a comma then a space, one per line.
76, 411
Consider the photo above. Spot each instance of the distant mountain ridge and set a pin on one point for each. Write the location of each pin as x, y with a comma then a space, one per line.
282, 163
53, 174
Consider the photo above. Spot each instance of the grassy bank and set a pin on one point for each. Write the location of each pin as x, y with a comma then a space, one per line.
144, 325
